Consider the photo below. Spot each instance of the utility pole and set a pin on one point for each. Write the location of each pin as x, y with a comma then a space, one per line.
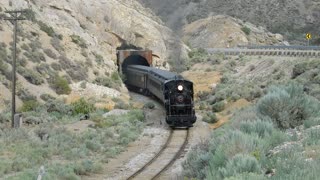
14, 17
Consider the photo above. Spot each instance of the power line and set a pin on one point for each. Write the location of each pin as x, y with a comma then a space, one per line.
14, 17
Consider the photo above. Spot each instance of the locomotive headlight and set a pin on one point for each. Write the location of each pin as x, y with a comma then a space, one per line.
180, 87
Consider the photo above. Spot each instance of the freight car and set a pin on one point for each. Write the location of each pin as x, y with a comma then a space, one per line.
175, 92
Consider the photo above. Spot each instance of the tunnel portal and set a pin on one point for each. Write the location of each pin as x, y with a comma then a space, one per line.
133, 57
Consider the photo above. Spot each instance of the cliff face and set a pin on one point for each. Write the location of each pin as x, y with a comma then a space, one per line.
77, 40
224, 31
290, 17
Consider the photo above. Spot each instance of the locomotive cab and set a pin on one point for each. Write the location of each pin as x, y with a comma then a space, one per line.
178, 95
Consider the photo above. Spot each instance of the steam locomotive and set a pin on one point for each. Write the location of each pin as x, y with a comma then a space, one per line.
170, 88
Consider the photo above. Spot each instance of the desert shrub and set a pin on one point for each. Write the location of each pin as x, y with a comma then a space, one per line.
120, 104
86, 167
312, 137
35, 45
82, 107
56, 66
25, 47
99, 59
210, 118
22, 62
25, 95
46, 97
219, 106
303, 67
29, 105
54, 105
30, 15
198, 55
149, 105
3, 67
202, 95
246, 30
311, 122
239, 164
43, 68
60, 85
247, 176
83, 84
287, 106
84, 53
4, 117
31, 76
126, 135
65, 62
47, 29
35, 56
78, 40
260, 127
55, 43
77, 73
224, 79
106, 81
196, 161
50, 53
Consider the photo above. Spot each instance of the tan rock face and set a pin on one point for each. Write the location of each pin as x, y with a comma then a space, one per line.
224, 31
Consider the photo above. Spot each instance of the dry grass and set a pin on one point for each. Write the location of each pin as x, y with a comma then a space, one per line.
203, 81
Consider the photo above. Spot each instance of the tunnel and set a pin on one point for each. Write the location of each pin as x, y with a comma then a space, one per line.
134, 60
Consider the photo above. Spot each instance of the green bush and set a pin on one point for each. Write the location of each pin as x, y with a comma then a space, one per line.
55, 43
149, 105
35, 56
218, 107
120, 104
108, 82
87, 167
54, 105
4, 117
50, 53
311, 122
246, 30
288, 106
262, 128
210, 118
30, 15
99, 59
79, 41
240, 163
61, 86
197, 56
56, 66
31, 76
196, 161
47, 29
312, 137
30, 105
77, 73
82, 107
25, 95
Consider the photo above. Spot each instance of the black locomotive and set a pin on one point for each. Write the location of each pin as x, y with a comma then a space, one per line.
170, 88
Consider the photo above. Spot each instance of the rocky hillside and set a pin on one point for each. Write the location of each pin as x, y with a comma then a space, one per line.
76, 40
290, 17
225, 31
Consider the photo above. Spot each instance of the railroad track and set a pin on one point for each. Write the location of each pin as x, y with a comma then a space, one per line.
251, 51
168, 154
